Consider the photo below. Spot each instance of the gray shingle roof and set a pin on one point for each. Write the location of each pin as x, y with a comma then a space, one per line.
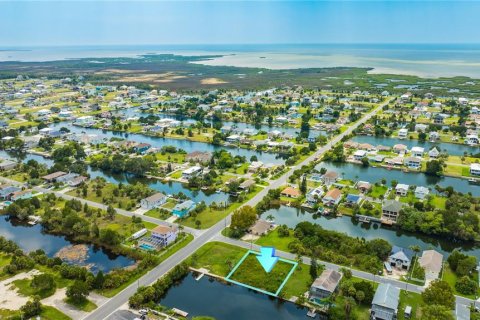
387, 296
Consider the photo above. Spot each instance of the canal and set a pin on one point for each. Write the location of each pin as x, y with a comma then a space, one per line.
291, 216
188, 146
31, 238
356, 172
451, 148
209, 297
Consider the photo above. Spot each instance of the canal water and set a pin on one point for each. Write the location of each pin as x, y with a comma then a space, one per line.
292, 216
209, 297
136, 112
188, 146
356, 172
31, 238
171, 187
451, 148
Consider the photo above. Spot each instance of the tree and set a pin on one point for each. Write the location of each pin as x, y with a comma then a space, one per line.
422, 136
43, 282
365, 162
99, 280
110, 213
466, 285
434, 168
31, 308
303, 185
436, 312
78, 291
313, 268
439, 293
243, 218
381, 248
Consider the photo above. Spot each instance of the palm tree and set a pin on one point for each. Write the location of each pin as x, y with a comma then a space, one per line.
270, 217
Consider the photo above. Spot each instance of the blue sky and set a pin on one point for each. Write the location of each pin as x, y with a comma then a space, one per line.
35, 23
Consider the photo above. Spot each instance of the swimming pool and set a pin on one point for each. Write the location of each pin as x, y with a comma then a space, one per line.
147, 247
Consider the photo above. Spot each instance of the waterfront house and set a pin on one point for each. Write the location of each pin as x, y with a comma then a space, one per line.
421, 127
475, 169
325, 285
402, 133
391, 210
192, 172
255, 166
141, 147
314, 195
6, 165
471, 139
434, 136
413, 162
399, 148
66, 177
363, 186
85, 121
6, 191
226, 129
352, 199
438, 119
434, 153
421, 192
332, 197
261, 227
246, 185
330, 177
234, 138
274, 134
291, 192
417, 152
431, 261
400, 258
366, 147
154, 201
22, 194
52, 177
76, 181
401, 189
359, 155
182, 209
385, 302
163, 235
199, 157
31, 141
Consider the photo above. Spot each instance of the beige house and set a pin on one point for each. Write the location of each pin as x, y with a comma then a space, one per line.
432, 262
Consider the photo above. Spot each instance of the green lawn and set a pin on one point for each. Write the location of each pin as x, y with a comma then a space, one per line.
220, 258
85, 305
411, 299
451, 278
251, 272
378, 191
273, 239
50, 313
25, 289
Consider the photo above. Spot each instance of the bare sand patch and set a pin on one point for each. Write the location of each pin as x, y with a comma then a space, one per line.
9, 297
212, 81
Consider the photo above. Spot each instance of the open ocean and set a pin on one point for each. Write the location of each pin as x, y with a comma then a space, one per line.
442, 60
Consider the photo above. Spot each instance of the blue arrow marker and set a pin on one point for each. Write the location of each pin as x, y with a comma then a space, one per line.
267, 258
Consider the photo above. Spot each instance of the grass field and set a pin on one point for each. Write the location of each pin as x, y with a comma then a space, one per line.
25, 289
251, 273
84, 305
220, 258
273, 239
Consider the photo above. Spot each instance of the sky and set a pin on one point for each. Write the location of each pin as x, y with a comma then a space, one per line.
109, 22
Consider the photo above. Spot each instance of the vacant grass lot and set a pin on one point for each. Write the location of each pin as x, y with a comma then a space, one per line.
251, 273
220, 258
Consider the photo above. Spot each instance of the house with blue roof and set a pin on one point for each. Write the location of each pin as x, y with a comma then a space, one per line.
352, 199
182, 209
400, 258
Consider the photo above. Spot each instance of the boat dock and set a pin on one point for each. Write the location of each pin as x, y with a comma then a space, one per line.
180, 312
311, 313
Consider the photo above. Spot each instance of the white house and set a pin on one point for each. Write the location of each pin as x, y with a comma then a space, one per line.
191, 172
475, 169
401, 189
413, 162
434, 153
85, 121
471, 139
153, 201
402, 133
421, 192
314, 195
359, 154
417, 151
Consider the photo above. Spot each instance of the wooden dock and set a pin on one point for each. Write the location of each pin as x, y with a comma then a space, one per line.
180, 312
